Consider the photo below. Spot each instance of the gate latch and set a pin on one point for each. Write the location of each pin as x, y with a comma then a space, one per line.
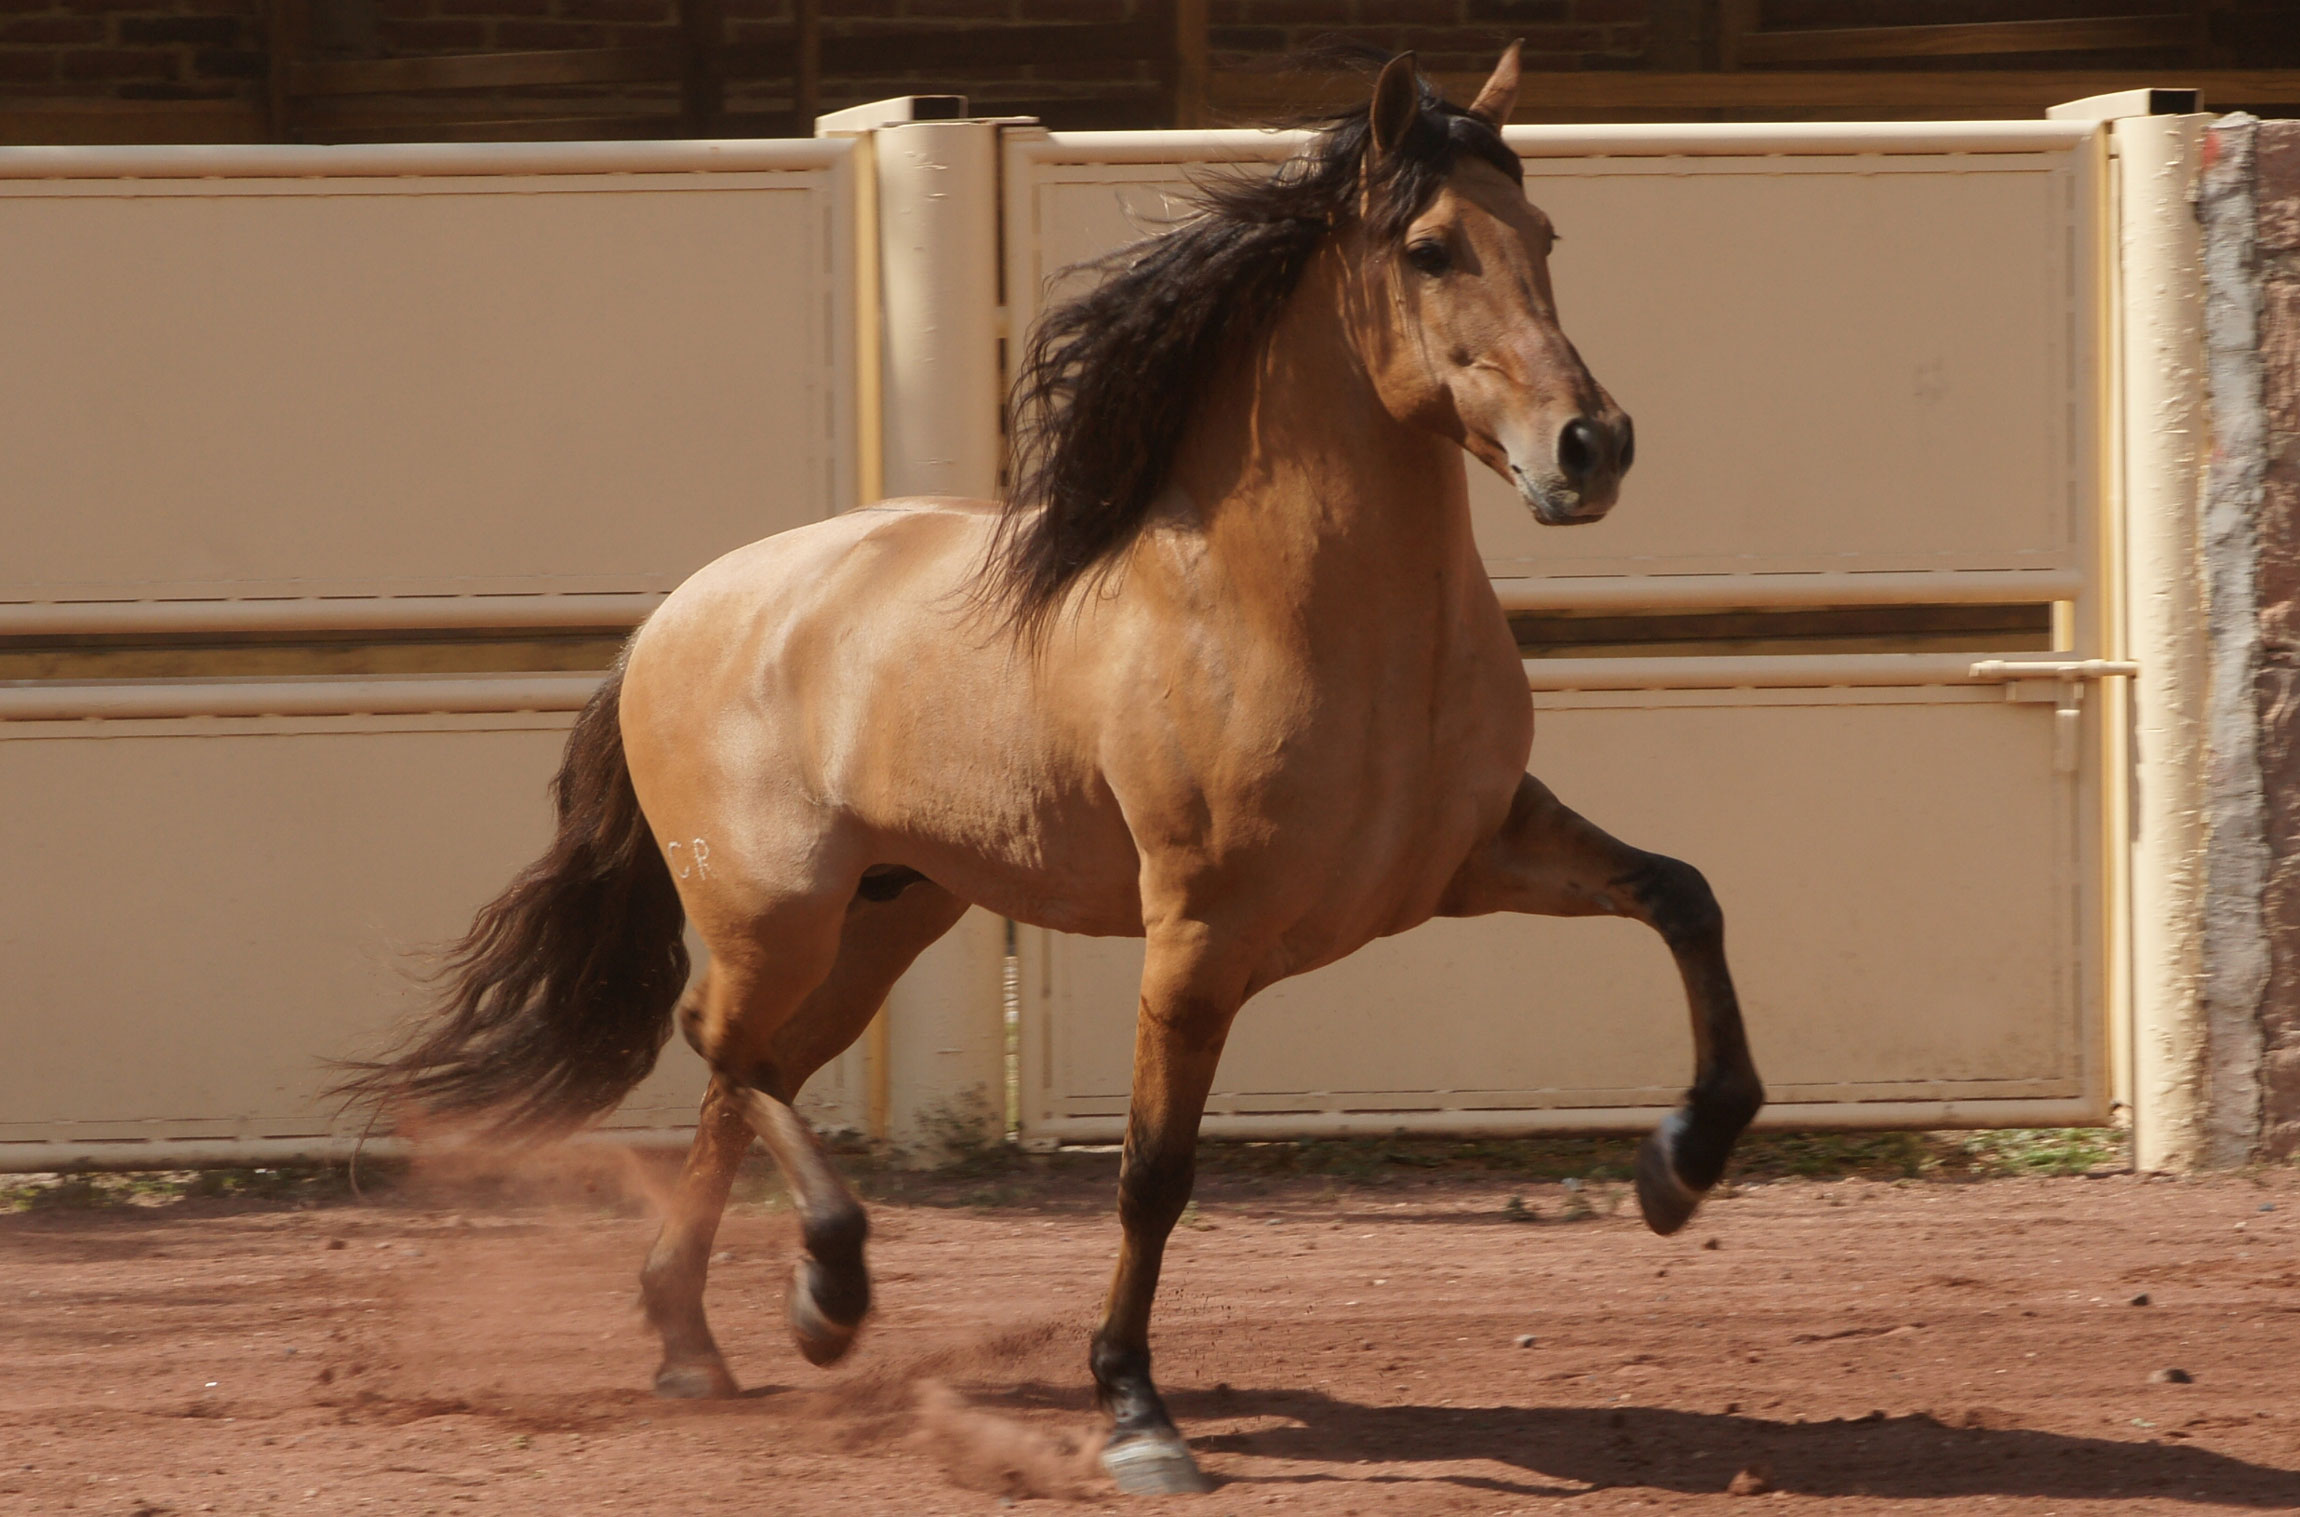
2060, 681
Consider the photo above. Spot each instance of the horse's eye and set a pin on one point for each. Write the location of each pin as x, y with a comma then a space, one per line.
1430, 257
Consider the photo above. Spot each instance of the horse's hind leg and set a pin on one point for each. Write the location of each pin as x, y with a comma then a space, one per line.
764, 1051
671, 1282
1549, 861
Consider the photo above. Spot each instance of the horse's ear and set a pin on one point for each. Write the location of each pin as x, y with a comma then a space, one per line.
1397, 101
1498, 99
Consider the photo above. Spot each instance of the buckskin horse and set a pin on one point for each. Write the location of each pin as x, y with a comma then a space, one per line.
1225, 672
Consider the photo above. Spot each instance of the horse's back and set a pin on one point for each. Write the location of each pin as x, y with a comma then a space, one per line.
838, 696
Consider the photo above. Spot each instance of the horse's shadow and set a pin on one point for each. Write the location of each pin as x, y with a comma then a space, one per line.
1569, 1449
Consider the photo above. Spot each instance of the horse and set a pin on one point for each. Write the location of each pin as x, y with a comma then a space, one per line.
1223, 672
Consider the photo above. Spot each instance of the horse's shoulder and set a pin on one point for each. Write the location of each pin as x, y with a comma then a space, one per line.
943, 505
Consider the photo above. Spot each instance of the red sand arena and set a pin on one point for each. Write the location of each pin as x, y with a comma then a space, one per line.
1330, 1345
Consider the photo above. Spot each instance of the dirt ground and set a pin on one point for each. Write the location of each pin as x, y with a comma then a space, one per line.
1855, 1345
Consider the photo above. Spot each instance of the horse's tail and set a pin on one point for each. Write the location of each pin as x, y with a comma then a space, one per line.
559, 999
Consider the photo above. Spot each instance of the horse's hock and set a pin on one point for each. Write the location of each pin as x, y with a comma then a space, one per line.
312, 561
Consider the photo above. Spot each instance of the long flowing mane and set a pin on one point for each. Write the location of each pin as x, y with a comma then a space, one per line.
1108, 381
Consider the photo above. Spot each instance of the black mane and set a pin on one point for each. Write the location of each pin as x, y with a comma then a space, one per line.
1108, 380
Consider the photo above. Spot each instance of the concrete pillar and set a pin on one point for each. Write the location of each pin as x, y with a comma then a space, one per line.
935, 1059
2161, 366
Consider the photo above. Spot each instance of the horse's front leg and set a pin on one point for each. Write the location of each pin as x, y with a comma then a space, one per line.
1549, 861
1187, 1006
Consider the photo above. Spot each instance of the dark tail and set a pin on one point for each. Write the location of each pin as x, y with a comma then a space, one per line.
559, 999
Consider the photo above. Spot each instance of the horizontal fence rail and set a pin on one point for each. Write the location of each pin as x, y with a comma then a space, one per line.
1630, 140
299, 161
141, 700
1756, 592
381, 613
1801, 670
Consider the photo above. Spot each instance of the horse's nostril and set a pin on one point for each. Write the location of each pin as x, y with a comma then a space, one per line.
1578, 449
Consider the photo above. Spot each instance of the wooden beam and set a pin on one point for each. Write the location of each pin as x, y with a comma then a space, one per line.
443, 117
1838, 44
1677, 35
807, 67
1735, 19
485, 71
943, 49
283, 33
1627, 95
69, 122
1190, 62
702, 66
651, 128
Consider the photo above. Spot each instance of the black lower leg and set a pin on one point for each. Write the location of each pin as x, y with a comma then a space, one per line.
1124, 1389
838, 1279
830, 1285
1154, 1182
1688, 1156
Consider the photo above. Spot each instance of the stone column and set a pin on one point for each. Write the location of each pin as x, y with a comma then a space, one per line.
2274, 471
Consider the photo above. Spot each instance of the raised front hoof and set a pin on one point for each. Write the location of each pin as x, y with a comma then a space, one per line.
693, 1381
1666, 1202
821, 1338
1154, 1464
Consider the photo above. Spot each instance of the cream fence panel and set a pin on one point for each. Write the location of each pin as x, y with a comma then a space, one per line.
395, 371
1865, 364
361, 392
522, 388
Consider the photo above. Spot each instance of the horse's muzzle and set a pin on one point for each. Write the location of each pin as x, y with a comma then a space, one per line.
1555, 502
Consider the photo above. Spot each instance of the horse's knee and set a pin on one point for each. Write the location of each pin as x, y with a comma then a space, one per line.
1675, 897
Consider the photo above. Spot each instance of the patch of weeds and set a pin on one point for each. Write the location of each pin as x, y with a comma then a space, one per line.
2042, 1150
1599, 1162
66, 1192
1515, 1210
962, 1135
1584, 1202
1192, 1218
1839, 1155
1383, 1160
295, 1184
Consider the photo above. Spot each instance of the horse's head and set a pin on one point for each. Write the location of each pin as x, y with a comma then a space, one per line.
1461, 334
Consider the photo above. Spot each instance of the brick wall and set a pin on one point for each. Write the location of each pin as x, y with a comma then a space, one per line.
214, 51
132, 49
1561, 35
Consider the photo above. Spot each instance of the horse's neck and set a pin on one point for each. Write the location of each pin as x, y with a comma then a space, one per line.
1308, 491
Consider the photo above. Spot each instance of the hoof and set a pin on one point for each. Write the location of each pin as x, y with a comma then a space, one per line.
706, 1381
1666, 1202
1154, 1464
822, 1340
